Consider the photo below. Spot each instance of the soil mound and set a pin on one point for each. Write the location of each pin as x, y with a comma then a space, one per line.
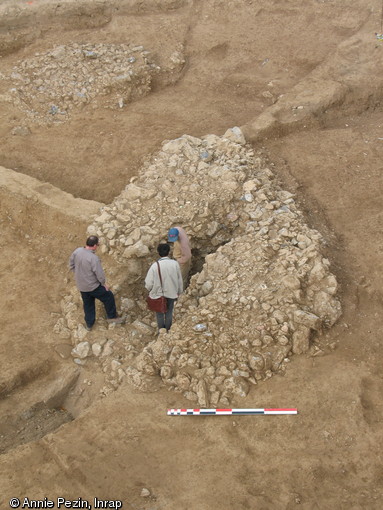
50, 85
264, 289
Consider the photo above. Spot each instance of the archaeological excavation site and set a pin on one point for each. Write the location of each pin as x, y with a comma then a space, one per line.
257, 127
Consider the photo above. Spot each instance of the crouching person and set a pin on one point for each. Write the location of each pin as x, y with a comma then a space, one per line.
170, 287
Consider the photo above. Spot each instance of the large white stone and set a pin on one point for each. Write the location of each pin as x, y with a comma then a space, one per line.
81, 350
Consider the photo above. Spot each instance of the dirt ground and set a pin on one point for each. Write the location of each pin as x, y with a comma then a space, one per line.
243, 58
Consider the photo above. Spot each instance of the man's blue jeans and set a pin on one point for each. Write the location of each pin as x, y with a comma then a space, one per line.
164, 320
105, 296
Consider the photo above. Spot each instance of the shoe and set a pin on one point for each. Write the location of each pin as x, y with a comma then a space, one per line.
88, 328
116, 320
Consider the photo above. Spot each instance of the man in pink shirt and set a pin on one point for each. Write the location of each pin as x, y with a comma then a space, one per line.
181, 251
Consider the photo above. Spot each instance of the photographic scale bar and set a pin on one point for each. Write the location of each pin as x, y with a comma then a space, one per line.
226, 412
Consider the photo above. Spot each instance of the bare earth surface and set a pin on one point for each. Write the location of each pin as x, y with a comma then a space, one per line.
304, 81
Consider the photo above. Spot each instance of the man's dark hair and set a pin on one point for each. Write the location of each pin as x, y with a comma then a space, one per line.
163, 249
92, 241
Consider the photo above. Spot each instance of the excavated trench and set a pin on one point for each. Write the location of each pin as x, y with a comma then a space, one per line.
36, 407
187, 369
260, 286
258, 289
33, 424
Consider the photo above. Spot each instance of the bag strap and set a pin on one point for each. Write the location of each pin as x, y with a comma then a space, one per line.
159, 272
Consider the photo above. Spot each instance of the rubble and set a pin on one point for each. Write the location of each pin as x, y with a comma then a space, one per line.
50, 85
263, 291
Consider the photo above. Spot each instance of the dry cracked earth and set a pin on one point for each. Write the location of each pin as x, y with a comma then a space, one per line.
88, 91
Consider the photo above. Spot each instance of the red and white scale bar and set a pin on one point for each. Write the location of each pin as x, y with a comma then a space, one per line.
222, 412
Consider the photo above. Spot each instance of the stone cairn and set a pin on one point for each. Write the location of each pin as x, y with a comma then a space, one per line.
262, 293
48, 86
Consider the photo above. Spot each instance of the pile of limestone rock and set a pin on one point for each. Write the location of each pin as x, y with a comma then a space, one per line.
264, 290
48, 86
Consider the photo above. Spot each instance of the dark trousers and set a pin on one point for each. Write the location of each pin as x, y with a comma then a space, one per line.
164, 320
105, 296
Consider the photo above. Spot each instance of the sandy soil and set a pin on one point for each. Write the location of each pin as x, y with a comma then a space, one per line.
329, 455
